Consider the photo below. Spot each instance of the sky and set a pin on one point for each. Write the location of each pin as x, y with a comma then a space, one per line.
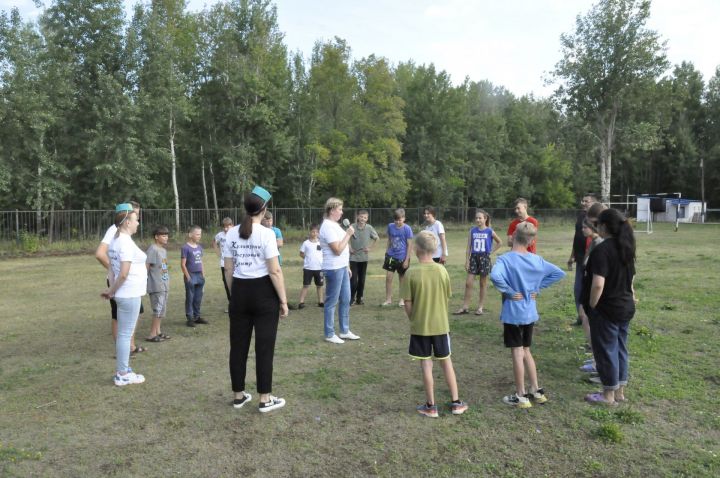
512, 43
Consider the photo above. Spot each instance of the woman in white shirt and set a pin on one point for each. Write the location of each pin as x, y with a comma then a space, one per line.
336, 269
257, 300
127, 276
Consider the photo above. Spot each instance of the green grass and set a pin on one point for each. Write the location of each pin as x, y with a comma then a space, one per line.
350, 408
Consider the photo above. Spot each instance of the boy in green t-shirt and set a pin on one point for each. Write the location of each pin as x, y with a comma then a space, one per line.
426, 291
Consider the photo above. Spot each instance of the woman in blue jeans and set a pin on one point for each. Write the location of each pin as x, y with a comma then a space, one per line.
127, 276
336, 269
610, 303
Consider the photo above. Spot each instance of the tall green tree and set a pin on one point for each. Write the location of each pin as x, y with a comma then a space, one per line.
609, 53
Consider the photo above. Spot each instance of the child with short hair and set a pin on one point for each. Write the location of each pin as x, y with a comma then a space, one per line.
519, 275
311, 252
218, 243
361, 242
158, 283
268, 222
426, 291
193, 270
477, 260
399, 249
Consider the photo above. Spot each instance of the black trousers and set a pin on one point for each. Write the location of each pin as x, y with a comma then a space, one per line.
357, 279
227, 289
254, 304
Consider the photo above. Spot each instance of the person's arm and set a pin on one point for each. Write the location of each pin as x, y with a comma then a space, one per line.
596, 289
279, 238
278, 281
497, 277
497, 242
183, 266
339, 246
116, 282
408, 308
229, 270
406, 262
443, 243
216, 248
632, 288
468, 248
101, 254
552, 274
202, 269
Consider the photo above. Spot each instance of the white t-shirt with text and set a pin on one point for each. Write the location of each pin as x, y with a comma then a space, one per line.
330, 232
313, 255
124, 249
249, 255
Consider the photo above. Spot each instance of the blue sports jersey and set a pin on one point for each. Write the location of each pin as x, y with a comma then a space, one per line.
481, 240
399, 238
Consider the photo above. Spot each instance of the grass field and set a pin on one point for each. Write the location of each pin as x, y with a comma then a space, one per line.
351, 408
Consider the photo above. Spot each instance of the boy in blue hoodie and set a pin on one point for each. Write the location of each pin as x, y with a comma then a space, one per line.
519, 275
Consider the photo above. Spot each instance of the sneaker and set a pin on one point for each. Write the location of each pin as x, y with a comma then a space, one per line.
517, 401
352, 302
538, 396
360, 302
595, 379
401, 303
386, 304
301, 305
458, 408
321, 304
588, 368
430, 411
200, 320
349, 336
334, 340
190, 323
130, 378
273, 404
239, 402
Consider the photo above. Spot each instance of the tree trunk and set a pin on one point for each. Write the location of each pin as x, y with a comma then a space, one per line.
202, 161
174, 173
607, 142
38, 203
214, 192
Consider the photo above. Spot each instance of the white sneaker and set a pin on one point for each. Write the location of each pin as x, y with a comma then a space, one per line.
401, 303
129, 378
239, 402
273, 404
334, 340
349, 336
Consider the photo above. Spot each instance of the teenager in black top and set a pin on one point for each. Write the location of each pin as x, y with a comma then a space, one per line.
610, 303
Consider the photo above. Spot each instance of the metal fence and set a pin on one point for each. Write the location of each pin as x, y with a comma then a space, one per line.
86, 224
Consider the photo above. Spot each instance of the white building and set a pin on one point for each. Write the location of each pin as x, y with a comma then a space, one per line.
669, 209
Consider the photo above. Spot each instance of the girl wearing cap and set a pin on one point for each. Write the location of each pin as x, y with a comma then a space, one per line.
127, 277
257, 300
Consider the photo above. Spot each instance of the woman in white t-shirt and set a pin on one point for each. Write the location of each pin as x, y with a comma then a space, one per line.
257, 300
127, 276
336, 269
437, 230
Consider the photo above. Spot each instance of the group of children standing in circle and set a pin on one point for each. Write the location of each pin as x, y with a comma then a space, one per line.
337, 259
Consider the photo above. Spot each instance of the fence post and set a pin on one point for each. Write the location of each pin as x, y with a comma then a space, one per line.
84, 228
191, 218
17, 226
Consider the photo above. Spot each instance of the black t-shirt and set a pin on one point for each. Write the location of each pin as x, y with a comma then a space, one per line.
579, 238
616, 301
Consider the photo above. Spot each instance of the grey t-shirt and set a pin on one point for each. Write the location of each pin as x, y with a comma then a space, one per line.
158, 277
360, 240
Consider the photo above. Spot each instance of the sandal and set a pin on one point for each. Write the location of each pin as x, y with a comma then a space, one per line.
479, 312
599, 398
157, 338
164, 336
138, 349
461, 312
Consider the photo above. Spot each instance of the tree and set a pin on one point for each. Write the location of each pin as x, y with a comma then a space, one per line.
610, 51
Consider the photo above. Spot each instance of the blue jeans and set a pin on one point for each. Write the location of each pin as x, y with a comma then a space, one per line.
337, 290
609, 342
128, 310
194, 295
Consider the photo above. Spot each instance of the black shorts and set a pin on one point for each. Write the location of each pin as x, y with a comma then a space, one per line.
480, 265
518, 335
394, 265
425, 346
309, 275
113, 305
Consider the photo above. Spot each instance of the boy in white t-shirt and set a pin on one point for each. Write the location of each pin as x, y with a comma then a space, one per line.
311, 252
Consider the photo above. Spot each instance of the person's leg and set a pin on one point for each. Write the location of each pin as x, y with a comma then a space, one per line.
449, 371
198, 296
623, 359
603, 334
468, 292
225, 284
189, 298
128, 310
361, 273
529, 363
577, 287
333, 280
240, 335
353, 280
482, 289
344, 299
303, 293
426, 365
388, 287
585, 324
114, 324
266, 326
518, 356
320, 295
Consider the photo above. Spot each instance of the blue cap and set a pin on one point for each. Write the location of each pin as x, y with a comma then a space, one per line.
262, 193
124, 207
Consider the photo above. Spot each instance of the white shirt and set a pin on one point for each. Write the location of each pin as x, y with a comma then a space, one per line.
330, 232
124, 249
437, 228
249, 255
313, 255
220, 241
109, 235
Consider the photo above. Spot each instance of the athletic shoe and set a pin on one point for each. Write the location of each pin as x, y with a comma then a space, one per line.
239, 402
538, 396
273, 404
430, 411
190, 323
130, 378
386, 304
200, 320
360, 302
517, 401
349, 336
334, 340
588, 368
458, 408
401, 303
352, 302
